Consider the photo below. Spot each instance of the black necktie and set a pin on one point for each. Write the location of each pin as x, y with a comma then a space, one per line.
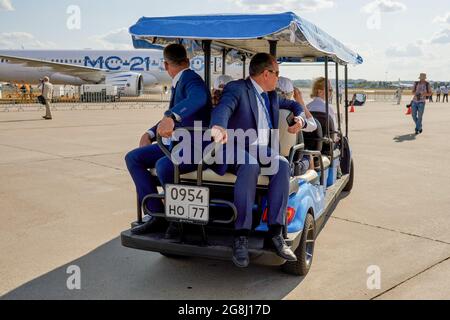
172, 98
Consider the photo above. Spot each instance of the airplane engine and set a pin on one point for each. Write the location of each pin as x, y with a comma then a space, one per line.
129, 83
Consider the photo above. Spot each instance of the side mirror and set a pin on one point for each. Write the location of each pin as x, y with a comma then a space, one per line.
360, 99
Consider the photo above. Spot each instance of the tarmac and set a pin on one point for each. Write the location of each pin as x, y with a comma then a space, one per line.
65, 197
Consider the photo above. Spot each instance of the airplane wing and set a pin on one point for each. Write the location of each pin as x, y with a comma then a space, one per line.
88, 74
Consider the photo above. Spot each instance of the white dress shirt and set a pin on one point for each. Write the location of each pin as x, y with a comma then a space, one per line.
318, 105
263, 122
309, 125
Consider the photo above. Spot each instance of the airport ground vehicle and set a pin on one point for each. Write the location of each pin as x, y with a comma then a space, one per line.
98, 93
312, 195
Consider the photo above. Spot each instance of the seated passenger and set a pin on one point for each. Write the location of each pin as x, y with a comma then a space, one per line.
318, 103
286, 89
191, 102
253, 105
219, 85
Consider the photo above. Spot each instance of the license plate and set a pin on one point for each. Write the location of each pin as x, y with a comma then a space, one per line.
187, 204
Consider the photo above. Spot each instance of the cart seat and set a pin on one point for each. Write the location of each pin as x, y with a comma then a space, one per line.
209, 176
212, 177
287, 141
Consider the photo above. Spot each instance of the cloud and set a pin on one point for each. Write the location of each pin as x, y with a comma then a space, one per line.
442, 37
445, 19
283, 5
19, 40
118, 39
411, 50
384, 6
6, 5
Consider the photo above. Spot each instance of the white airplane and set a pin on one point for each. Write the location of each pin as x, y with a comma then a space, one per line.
404, 85
131, 71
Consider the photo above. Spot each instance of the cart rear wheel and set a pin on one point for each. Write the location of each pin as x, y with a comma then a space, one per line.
304, 252
349, 185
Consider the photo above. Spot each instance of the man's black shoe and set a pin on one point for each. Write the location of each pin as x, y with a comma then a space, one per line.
240, 252
283, 249
417, 132
150, 226
172, 232
420, 131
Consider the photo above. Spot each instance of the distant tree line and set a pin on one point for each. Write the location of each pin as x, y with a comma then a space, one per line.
365, 84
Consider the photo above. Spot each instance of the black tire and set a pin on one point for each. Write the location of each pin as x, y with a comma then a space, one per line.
349, 186
304, 252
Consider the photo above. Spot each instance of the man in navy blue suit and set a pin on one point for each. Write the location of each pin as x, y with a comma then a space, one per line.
253, 105
190, 102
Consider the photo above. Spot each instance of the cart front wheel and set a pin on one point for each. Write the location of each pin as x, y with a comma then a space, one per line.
304, 252
349, 185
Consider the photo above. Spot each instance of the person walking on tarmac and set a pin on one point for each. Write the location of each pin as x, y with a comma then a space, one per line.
47, 93
421, 92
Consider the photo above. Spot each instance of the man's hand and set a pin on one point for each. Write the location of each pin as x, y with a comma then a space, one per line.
297, 127
166, 127
145, 140
219, 135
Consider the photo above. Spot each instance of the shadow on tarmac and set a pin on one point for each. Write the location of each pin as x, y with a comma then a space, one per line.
30, 120
115, 272
406, 137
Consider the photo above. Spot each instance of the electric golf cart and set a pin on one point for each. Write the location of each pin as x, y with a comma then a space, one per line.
202, 201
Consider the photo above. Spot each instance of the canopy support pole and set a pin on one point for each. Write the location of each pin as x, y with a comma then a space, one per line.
273, 47
244, 61
207, 51
224, 61
338, 102
327, 97
346, 101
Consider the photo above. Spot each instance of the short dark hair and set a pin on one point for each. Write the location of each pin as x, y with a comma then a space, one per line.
175, 54
261, 62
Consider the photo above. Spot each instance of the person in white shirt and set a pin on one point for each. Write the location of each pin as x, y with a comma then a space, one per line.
444, 90
318, 102
438, 94
286, 89
218, 87
47, 93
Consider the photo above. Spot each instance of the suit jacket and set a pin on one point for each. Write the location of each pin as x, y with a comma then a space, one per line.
238, 109
191, 100
47, 90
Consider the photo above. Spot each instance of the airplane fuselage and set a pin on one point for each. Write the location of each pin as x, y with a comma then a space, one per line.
146, 62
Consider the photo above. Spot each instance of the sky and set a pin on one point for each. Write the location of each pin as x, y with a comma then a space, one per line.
397, 39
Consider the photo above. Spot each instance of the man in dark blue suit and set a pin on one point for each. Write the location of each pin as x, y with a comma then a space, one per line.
253, 105
190, 102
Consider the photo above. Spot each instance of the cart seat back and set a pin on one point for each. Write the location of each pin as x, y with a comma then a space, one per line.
287, 140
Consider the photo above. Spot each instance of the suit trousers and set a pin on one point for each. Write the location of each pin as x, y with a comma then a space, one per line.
140, 161
245, 191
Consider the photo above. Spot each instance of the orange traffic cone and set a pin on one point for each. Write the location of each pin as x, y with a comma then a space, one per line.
352, 109
408, 111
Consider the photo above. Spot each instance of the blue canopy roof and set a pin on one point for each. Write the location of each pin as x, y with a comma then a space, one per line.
296, 37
